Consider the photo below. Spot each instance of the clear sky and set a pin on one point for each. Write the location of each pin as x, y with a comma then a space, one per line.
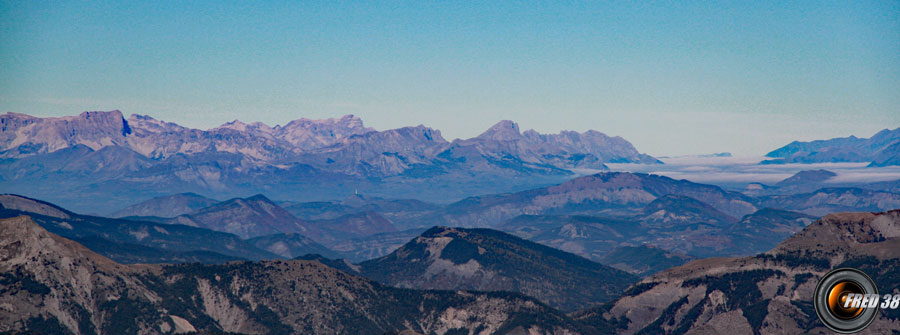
673, 78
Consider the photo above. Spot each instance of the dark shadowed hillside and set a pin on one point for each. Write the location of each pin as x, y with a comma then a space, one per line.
128, 241
489, 260
245, 217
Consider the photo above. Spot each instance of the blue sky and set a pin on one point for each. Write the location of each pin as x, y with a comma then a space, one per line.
673, 78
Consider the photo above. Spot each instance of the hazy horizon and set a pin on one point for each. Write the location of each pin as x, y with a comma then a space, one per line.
672, 79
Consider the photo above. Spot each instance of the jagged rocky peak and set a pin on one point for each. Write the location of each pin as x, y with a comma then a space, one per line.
505, 130
238, 125
345, 122
319, 133
146, 123
421, 131
403, 139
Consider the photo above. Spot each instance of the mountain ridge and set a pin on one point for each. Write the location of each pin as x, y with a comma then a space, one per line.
882, 149
768, 293
141, 157
60, 287
303, 135
134, 241
245, 217
489, 260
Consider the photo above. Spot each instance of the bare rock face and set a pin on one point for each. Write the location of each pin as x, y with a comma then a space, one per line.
766, 294
55, 286
330, 140
384, 153
92, 129
306, 133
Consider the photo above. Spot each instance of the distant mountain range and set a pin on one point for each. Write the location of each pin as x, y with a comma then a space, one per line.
139, 157
882, 149
835, 199
679, 231
610, 193
577, 216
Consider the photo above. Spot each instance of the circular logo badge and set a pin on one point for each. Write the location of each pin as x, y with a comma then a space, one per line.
846, 300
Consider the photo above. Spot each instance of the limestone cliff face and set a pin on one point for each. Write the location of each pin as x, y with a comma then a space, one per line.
304, 159
341, 143
53, 285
